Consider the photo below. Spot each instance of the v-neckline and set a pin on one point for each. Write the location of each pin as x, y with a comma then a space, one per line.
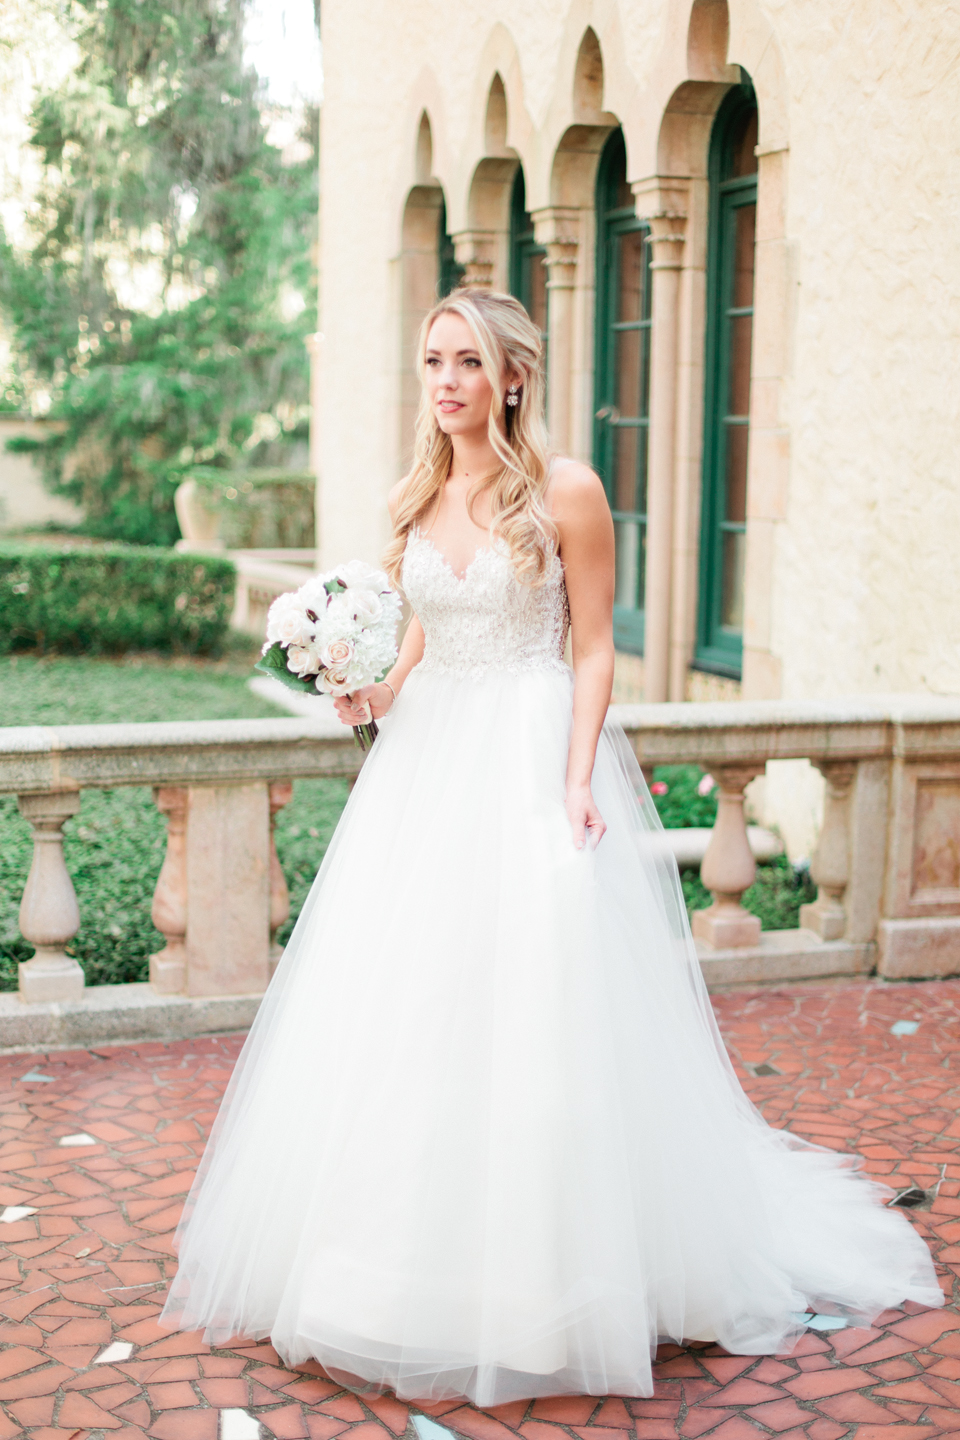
460, 579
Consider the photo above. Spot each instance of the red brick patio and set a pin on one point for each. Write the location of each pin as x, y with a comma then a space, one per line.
88, 1268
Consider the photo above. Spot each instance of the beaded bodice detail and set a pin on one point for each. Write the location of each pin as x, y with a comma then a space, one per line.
486, 619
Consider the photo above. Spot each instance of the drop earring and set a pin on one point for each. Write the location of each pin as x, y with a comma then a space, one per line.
512, 397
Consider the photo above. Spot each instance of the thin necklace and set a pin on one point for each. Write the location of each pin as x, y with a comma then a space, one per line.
465, 474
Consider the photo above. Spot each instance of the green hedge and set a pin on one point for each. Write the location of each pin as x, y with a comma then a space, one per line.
112, 599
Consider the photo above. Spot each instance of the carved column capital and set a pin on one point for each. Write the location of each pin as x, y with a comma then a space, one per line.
558, 229
666, 240
476, 252
662, 201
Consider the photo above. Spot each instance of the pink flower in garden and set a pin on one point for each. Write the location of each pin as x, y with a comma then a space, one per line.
659, 787
706, 785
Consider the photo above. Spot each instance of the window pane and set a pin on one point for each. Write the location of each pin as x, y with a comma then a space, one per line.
537, 292
741, 334
731, 597
630, 542
630, 445
745, 234
633, 249
738, 443
629, 373
741, 159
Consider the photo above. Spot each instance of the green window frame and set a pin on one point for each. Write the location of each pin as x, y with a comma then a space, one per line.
622, 383
729, 334
528, 270
449, 273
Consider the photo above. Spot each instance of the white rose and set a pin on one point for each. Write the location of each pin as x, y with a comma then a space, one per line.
287, 622
302, 660
358, 574
312, 595
337, 655
364, 605
331, 682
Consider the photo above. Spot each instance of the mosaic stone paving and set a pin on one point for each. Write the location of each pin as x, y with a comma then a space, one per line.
98, 1148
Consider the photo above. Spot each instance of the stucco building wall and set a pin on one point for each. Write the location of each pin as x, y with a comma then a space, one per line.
852, 581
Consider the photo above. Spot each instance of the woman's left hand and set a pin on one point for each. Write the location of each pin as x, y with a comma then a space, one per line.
586, 822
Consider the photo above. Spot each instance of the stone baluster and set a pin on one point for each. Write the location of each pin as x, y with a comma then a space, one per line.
49, 913
281, 793
830, 864
168, 968
728, 867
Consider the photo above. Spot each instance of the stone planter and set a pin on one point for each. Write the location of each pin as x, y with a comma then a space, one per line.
198, 517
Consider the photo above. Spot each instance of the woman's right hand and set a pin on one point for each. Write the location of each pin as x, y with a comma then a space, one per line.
350, 708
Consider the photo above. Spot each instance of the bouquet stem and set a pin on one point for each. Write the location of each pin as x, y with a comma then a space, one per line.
364, 735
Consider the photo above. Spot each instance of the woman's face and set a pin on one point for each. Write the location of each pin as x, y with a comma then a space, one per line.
456, 381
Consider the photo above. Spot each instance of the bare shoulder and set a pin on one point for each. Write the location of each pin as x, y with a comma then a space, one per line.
393, 499
575, 493
574, 490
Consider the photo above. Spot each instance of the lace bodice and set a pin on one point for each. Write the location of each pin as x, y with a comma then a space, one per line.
487, 619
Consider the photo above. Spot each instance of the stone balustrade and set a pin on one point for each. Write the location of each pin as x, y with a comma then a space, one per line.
887, 864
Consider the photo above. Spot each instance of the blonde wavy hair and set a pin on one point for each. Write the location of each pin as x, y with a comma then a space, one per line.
508, 343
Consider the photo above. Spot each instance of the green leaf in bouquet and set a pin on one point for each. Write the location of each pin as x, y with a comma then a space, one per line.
334, 586
274, 662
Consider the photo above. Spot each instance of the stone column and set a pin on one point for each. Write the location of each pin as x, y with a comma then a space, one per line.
830, 864
49, 913
168, 968
558, 228
313, 343
666, 241
281, 793
476, 251
728, 867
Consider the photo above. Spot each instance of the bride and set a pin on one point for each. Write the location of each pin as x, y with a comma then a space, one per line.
484, 1139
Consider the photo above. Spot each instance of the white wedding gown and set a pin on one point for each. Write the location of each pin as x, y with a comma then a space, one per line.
484, 1138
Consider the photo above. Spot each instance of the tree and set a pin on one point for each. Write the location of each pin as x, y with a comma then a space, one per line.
165, 298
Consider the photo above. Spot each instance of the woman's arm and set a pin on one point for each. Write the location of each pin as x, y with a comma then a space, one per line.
380, 696
585, 527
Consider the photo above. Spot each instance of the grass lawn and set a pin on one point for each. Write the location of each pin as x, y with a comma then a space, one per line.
114, 847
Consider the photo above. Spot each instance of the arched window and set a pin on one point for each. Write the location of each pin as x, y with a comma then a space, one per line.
622, 382
730, 271
449, 273
528, 272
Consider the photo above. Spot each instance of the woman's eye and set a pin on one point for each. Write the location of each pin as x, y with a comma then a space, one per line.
471, 362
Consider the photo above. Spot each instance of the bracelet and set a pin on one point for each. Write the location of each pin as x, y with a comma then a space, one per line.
392, 692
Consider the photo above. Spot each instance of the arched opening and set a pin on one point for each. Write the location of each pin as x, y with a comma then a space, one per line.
727, 367
588, 80
484, 248
622, 381
420, 268
450, 273
528, 272
495, 124
708, 36
423, 165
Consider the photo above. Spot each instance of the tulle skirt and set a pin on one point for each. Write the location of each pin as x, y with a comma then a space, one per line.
484, 1138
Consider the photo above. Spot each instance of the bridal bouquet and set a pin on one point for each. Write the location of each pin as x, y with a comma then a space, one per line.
335, 634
